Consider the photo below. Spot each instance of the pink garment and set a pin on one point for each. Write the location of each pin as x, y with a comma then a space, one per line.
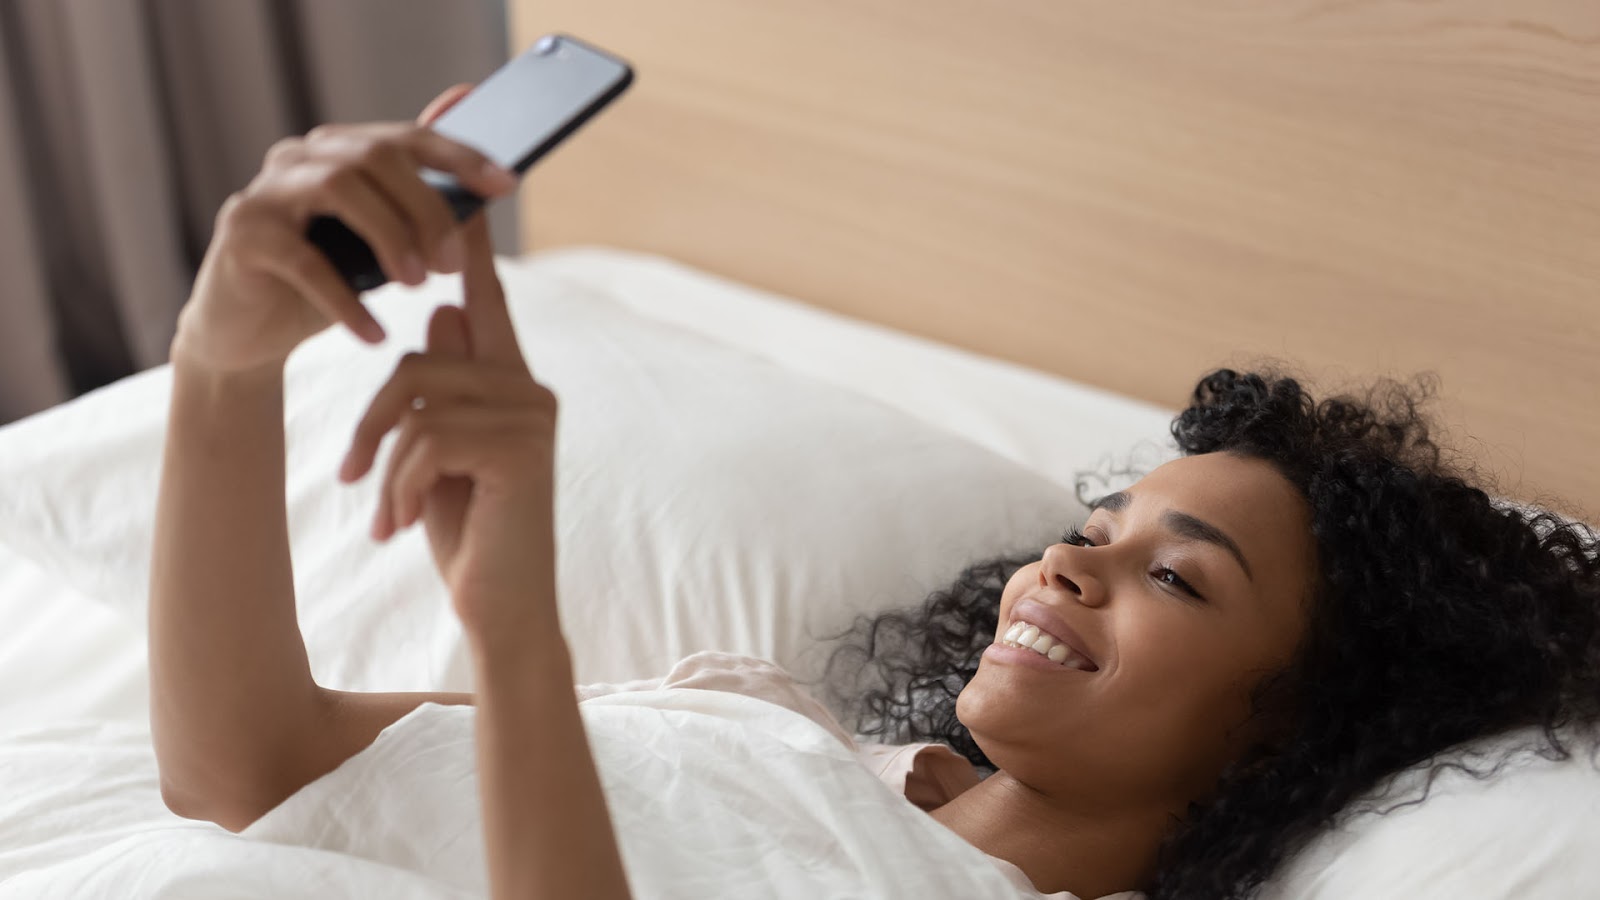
929, 775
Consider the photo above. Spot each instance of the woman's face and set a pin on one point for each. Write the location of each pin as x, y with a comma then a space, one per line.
1192, 585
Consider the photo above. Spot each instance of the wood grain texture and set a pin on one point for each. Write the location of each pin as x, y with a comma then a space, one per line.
1131, 193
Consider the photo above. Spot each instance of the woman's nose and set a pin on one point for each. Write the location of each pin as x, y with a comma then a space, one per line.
1062, 567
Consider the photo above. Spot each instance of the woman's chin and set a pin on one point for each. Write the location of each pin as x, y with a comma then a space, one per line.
998, 704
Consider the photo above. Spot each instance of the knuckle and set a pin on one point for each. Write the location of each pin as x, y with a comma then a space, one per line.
307, 262
381, 152
323, 132
282, 151
232, 210
410, 363
336, 180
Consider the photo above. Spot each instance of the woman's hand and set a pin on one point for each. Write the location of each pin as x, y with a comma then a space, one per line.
474, 457
263, 288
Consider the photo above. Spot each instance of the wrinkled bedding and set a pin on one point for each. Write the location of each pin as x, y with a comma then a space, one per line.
712, 795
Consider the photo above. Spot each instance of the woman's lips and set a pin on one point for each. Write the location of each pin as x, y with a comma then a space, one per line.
1042, 616
1025, 636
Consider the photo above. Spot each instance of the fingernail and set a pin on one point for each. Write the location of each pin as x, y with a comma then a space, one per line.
501, 179
346, 467
452, 253
372, 331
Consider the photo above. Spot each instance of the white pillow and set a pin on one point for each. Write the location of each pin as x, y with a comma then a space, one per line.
707, 498
1530, 831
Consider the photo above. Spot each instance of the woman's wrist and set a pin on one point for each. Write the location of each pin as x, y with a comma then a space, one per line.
501, 623
508, 656
188, 362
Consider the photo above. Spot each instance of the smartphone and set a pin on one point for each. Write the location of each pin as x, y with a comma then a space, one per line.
514, 117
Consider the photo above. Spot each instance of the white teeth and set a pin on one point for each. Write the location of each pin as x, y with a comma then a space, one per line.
1029, 637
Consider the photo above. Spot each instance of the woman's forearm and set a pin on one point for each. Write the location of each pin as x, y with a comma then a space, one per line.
231, 686
546, 827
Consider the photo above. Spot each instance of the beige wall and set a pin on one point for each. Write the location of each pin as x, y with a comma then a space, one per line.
1128, 194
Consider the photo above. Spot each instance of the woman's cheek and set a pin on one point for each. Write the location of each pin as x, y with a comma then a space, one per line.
1016, 586
1162, 649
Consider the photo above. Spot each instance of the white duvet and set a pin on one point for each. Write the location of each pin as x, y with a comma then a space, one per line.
712, 794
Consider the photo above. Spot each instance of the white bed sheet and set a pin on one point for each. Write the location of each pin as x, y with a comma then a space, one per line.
63, 656
692, 778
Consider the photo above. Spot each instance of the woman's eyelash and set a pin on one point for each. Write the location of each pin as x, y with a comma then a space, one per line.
1077, 538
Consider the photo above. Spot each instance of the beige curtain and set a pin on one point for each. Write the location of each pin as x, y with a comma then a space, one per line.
125, 123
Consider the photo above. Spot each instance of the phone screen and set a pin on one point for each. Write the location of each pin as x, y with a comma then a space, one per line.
521, 109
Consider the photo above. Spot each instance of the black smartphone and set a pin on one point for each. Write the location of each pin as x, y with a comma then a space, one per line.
514, 117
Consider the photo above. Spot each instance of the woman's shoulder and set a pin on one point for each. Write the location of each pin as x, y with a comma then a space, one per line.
929, 775
759, 678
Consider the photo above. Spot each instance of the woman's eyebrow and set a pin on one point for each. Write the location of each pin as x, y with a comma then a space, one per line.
1187, 526
1113, 502
1181, 524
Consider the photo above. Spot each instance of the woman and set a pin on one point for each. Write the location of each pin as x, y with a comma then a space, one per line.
1173, 699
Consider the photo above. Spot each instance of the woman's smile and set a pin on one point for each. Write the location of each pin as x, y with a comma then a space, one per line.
1034, 624
1012, 653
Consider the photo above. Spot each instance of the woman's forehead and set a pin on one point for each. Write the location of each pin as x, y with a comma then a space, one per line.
1239, 489
1246, 499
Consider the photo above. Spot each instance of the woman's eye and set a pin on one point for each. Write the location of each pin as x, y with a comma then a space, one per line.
1169, 577
1163, 574
1076, 538
1079, 538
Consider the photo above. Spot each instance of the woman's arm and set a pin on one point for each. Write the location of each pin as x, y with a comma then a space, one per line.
230, 685
546, 828
237, 722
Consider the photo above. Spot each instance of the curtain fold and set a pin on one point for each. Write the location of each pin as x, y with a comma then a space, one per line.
124, 126
30, 376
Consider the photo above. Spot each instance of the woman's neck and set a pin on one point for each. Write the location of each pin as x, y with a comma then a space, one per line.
1057, 848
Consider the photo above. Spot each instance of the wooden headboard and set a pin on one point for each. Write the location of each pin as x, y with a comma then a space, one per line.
1130, 193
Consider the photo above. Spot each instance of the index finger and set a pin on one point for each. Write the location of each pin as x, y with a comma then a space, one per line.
494, 337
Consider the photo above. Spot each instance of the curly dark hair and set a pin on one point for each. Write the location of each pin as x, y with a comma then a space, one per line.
1439, 615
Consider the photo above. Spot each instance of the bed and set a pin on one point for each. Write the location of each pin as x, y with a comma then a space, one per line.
850, 253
